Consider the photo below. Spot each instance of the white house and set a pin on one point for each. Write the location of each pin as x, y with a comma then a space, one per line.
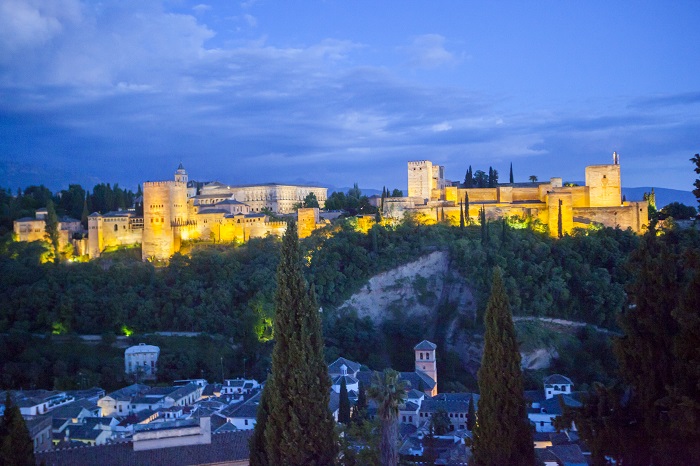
142, 359
548, 405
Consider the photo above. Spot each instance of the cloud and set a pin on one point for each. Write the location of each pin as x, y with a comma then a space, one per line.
428, 51
27, 24
250, 20
669, 100
201, 8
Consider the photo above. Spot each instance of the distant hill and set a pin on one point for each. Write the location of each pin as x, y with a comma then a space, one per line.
369, 192
664, 196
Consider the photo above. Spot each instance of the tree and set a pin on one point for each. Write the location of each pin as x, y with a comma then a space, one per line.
677, 211
52, 233
484, 227
654, 357
461, 215
389, 391
481, 179
16, 446
397, 193
493, 178
256, 444
469, 178
502, 432
299, 428
533, 178
696, 191
467, 218
361, 405
344, 407
511, 173
560, 222
310, 201
471, 414
440, 422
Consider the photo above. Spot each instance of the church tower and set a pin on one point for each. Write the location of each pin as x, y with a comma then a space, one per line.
181, 174
425, 360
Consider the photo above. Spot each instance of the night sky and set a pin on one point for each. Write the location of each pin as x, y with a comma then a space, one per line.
337, 92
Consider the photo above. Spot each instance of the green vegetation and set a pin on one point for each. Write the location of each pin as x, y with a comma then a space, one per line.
389, 391
16, 446
502, 432
653, 415
298, 427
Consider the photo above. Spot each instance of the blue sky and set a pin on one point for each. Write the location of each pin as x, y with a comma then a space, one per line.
338, 92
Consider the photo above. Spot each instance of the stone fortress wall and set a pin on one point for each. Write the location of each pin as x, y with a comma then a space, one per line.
598, 202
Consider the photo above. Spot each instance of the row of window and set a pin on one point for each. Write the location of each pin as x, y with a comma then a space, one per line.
427, 356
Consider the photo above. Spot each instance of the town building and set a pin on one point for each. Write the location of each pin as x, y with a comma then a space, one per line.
142, 361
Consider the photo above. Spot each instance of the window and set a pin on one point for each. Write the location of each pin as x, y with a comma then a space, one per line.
541, 423
421, 356
403, 419
410, 418
116, 227
246, 422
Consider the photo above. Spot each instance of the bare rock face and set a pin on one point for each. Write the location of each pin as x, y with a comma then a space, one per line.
540, 358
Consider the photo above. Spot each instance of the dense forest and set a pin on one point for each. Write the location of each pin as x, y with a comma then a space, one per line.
227, 292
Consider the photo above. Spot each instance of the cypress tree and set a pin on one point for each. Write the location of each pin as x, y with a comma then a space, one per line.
85, 214
344, 408
471, 414
299, 428
560, 223
52, 233
511, 173
258, 454
502, 433
696, 183
461, 215
16, 446
361, 405
467, 218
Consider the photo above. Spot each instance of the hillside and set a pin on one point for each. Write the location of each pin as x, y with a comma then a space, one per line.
664, 196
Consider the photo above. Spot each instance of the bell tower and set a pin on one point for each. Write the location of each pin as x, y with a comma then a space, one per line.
425, 360
181, 174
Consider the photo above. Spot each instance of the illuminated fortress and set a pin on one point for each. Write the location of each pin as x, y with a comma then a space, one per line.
599, 202
174, 212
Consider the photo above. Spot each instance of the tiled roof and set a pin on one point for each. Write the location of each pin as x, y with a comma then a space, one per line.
349, 380
557, 379
334, 367
127, 392
415, 379
247, 409
425, 345
224, 447
569, 455
430, 405
73, 409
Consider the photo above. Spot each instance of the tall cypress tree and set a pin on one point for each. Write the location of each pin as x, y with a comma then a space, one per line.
299, 428
467, 218
471, 415
502, 432
16, 445
461, 215
258, 453
344, 407
52, 233
511, 173
560, 222
696, 191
